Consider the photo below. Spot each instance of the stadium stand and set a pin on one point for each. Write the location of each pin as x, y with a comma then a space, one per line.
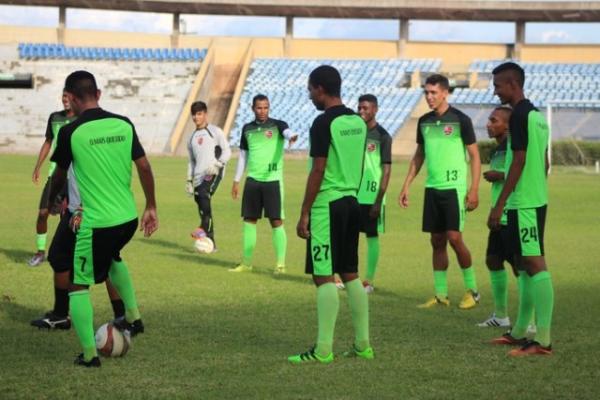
284, 82
150, 93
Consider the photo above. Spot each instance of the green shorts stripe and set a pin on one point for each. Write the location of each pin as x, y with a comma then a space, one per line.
83, 262
320, 242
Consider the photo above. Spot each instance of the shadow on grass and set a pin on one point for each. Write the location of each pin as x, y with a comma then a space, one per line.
17, 255
18, 312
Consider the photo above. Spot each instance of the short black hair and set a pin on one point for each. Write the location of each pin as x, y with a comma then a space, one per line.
328, 78
198, 106
259, 97
438, 79
516, 69
371, 98
81, 84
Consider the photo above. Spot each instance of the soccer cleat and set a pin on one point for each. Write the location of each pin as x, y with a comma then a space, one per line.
93, 363
367, 354
241, 268
133, 328
469, 300
310, 356
280, 269
37, 259
368, 287
198, 233
495, 322
435, 301
509, 340
531, 348
339, 284
52, 321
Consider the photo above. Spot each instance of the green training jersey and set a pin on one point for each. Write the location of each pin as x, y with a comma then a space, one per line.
56, 121
378, 152
101, 146
264, 143
498, 163
444, 139
339, 135
529, 132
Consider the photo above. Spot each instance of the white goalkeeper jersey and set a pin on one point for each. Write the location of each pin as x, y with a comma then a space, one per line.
202, 152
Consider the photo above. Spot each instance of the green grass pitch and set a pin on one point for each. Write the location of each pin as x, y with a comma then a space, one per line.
215, 334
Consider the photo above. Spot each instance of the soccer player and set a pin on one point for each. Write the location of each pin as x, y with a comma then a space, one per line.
261, 151
101, 147
55, 122
208, 153
444, 135
60, 256
525, 196
497, 248
330, 215
376, 175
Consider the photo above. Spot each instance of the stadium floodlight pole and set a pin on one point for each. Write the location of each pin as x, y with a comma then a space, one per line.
549, 118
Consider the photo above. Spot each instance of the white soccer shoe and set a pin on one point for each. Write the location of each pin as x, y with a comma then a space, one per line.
494, 321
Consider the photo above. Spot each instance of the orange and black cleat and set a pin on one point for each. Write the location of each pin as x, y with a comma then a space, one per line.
509, 340
531, 348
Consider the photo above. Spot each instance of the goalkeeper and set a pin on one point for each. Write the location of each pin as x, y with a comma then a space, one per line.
208, 153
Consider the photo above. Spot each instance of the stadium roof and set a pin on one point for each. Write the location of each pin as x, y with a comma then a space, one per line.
491, 10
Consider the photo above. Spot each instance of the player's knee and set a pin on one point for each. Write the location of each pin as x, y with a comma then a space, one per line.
455, 240
493, 263
438, 241
275, 223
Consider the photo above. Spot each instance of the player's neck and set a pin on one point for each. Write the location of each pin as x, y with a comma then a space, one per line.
501, 139
332, 102
441, 110
372, 124
202, 126
517, 99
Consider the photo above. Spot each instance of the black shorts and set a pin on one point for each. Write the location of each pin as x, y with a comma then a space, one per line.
208, 187
95, 250
46, 194
333, 243
526, 231
444, 210
259, 196
498, 245
371, 226
62, 248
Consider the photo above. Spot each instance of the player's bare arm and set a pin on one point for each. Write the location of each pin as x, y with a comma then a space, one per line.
313, 184
44, 150
493, 176
472, 200
149, 222
413, 170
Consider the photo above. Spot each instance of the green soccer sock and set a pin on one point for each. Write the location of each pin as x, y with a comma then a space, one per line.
499, 280
249, 242
120, 278
82, 315
279, 243
359, 306
469, 278
526, 306
440, 282
40, 241
372, 257
328, 303
543, 297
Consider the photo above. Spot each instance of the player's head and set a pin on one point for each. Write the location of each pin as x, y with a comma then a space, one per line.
497, 124
65, 101
367, 107
260, 106
82, 91
509, 79
437, 89
199, 111
324, 82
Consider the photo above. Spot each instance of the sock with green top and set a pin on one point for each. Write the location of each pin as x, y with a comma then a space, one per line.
469, 279
499, 281
249, 243
82, 315
372, 257
328, 303
543, 298
40, 241
279, 243
119, 276
440, 282
526, 306
359, 307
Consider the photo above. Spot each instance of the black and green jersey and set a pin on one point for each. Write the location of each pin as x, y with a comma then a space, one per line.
498, 163
338, 134
56, 121
264, 144
444, 138
101, 146
529, 132
377, 152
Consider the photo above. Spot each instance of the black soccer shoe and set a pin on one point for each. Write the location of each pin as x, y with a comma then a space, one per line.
133, 328
52, 321
93, 363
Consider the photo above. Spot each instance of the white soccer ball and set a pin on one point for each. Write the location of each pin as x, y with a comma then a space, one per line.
111, 342
204, 245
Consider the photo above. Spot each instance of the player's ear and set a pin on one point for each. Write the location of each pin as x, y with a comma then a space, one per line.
98, 94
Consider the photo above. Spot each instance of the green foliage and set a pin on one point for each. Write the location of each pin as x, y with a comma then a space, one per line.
212, 334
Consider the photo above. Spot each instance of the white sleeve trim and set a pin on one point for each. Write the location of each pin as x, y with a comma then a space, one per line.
288, 134
241, 166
